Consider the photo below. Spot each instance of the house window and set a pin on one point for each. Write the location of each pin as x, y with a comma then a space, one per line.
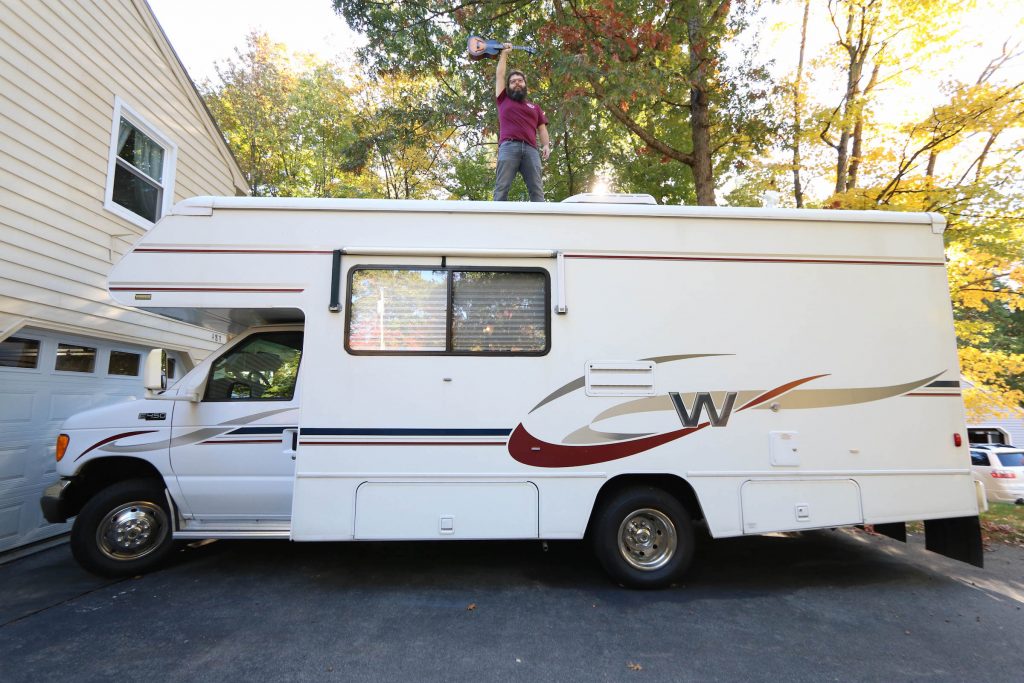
123, 363
456, 311
16, 352
141, 171
74, 358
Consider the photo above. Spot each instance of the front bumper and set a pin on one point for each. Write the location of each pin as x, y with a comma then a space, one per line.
56, 501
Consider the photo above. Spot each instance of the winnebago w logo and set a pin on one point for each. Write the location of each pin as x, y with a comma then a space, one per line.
702, 402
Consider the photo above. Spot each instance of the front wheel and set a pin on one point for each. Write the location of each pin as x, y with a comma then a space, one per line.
643, 537
123, 530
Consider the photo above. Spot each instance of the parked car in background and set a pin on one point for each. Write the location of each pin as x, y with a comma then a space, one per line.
1001, 471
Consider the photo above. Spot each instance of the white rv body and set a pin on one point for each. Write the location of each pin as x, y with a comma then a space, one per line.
786, 369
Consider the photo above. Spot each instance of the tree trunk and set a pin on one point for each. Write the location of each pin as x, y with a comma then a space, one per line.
569, 175
798, 191
700, 119
858, 129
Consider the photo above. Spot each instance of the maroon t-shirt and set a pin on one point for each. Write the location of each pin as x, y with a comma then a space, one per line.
519, 120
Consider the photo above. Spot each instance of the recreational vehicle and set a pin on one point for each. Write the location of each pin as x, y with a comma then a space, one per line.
623, 372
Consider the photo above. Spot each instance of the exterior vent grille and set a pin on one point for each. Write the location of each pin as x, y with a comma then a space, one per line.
620, 378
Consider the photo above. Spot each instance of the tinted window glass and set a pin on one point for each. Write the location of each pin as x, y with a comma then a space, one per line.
16, 352
170, 367
135, 194
264, 367
73, 358
978, 458
498, 312
398, 310
139, 150
138, 172
123, 363
410, 310
1015, 459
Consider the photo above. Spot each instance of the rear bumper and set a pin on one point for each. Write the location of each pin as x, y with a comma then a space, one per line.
56, 501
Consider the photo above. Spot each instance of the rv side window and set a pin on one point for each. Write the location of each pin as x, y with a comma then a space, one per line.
457, 311
262, 368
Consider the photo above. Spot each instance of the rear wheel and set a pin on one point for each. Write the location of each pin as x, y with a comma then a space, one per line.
123, 530
643, 537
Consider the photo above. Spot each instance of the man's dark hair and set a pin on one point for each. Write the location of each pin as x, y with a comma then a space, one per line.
512, 73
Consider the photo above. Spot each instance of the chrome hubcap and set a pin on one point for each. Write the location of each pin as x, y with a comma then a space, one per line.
647, 539
132, 530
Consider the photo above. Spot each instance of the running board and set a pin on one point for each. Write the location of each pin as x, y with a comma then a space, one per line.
237, 535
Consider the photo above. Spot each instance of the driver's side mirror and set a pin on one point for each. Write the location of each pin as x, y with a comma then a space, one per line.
153, 377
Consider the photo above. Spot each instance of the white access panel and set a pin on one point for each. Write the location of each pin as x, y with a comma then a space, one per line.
790, 505
440, 510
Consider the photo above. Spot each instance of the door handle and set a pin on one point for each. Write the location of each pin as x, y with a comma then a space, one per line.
290, 441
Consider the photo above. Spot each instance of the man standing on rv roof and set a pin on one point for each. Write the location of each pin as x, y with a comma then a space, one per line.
520, 123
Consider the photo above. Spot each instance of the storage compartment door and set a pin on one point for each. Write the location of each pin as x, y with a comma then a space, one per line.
442, 510
792, 505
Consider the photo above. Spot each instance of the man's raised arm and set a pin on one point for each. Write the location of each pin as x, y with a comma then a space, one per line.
499, 76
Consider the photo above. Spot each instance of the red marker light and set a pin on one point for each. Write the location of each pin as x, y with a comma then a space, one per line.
958, 440
1003, 474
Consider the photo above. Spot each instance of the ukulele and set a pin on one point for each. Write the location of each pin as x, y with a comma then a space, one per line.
480, 48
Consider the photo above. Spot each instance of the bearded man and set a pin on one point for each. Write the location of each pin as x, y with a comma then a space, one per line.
520, 124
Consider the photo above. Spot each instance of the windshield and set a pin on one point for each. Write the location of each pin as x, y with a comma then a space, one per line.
1012, 459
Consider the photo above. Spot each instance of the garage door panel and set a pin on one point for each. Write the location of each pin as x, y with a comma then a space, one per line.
14, 462
34, 402
16, 407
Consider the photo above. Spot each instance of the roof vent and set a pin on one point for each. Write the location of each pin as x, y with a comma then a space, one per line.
594, 198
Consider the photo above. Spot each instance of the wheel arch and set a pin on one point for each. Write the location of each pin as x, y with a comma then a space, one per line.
672, 484
98, 474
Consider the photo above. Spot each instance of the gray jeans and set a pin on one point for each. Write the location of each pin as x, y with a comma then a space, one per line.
515, 156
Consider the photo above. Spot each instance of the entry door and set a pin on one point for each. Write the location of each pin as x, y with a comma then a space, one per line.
233, 452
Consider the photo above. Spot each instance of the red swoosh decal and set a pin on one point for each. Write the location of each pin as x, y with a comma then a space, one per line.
522, 445
113, 438
529, 450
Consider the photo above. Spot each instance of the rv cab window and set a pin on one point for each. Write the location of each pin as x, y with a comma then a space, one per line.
261, 368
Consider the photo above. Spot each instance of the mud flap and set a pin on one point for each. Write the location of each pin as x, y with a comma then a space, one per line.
956, 537
894, 530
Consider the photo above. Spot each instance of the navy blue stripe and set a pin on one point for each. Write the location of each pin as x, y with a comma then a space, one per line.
333, 431
945, 383
260, 430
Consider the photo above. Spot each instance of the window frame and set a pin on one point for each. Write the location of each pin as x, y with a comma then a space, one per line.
123, 111
109, 355
39, 354
96, 362
449, 310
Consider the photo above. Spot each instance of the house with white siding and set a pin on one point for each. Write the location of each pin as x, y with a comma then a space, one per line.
102, 131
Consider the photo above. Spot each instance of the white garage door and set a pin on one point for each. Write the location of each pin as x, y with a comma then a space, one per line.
44, 378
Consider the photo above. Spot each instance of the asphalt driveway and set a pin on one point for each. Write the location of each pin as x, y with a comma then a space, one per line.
830, 605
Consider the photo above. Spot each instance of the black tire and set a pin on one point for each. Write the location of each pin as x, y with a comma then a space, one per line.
124, 530
643, 537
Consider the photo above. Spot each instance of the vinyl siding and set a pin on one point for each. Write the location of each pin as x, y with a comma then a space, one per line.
64, 63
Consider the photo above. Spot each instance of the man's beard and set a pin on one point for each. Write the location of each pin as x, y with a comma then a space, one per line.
518, 94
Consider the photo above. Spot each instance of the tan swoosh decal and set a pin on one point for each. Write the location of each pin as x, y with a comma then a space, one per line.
586, 435
659, 403
193, 437
828, 398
